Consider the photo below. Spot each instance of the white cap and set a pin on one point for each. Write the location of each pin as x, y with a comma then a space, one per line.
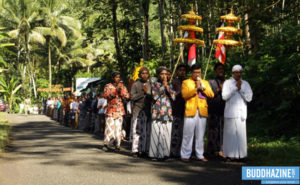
237, 68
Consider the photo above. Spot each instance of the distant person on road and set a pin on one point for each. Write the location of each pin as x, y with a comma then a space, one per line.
67, 103
101, 106
82, 113
58, 107
236, 92
115, 93
94, 112
74, 113
27, 104
61, 110
88, 116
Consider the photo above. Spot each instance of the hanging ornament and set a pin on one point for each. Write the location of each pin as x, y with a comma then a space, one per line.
191, 29
229, 30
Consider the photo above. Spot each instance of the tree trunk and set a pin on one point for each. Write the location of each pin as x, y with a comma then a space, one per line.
171, 33
19, 50
10, 102
142, 34
32, 78
181, 46
253, 26
146, 4
199, 12
197, 23
34, 86
27, 60
208, 23
247, 34
49, 65
297, 21
115, 32
161, 4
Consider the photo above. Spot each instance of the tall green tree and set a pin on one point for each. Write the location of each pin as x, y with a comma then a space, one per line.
20, 18
56, 24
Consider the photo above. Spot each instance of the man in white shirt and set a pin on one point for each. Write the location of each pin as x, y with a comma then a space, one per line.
102, 104
73, 113
27, 104
236, 92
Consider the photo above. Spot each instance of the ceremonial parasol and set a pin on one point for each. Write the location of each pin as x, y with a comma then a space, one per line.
191, 29
228, 30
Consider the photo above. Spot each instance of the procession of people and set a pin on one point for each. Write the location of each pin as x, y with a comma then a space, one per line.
168, 116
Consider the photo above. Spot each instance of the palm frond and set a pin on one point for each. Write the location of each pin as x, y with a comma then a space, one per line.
76, 33
32, 17
16, 89
43, 30
70, 22
83, 62
14, 33
77, 52
61, 36
37, 37
3, 84
10, 13
2, 63
6, 45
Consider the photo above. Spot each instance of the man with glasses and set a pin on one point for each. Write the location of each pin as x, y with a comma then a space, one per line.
195, 91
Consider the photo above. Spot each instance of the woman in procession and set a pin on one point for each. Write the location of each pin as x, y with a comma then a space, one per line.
114, 92
140, 95
161, 127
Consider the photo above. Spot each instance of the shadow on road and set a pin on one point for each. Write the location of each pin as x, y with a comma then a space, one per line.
49, 143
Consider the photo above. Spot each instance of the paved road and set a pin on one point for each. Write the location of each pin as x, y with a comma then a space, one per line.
46, 153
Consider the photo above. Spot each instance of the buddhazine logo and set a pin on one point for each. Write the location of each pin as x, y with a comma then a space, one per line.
271, 175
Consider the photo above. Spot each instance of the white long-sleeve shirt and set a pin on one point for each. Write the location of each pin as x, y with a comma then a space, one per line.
236, 100
103, 103
74, 106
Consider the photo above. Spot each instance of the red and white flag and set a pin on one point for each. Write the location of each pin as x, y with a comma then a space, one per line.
221, 50
192, 52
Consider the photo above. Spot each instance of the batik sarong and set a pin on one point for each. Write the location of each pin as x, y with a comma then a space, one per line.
160, 139
113, 129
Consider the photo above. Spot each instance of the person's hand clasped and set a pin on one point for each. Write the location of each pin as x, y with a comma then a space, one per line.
165, 83
119, 86
145, 89
199, 84
239, 84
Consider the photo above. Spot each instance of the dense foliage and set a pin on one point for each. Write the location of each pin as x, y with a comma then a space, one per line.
54, 41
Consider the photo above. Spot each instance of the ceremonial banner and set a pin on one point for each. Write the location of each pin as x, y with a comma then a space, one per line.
221, 50
192, 51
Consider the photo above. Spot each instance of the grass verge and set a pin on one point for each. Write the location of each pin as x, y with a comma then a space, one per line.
4, 131
274, 152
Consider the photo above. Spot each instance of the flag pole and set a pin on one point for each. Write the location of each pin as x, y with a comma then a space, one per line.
208, 61
180, 53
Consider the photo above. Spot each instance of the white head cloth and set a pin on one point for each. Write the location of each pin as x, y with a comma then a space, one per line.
237, 68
